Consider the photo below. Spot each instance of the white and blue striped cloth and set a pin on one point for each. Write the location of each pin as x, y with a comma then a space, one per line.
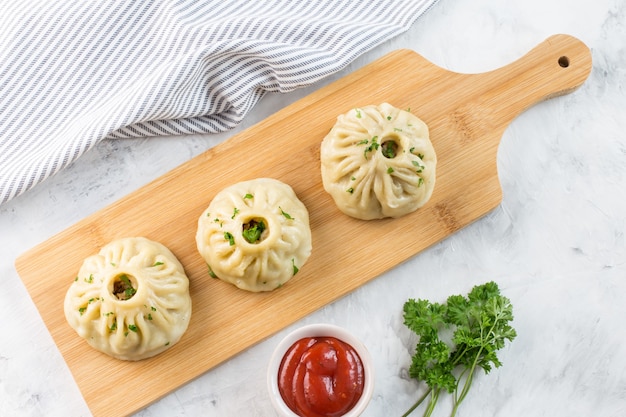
75, 72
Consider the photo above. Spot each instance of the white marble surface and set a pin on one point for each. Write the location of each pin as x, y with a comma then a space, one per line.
556, 244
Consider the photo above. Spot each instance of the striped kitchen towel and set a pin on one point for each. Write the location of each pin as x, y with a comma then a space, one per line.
75, 72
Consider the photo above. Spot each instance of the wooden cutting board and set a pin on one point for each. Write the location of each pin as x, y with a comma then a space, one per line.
467, 115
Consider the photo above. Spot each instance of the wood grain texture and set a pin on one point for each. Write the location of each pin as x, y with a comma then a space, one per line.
466, 114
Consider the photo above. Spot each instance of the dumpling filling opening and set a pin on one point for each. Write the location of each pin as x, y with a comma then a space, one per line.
389, 147
124, 287
255, 230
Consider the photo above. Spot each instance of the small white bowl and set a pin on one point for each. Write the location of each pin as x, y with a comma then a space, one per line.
319, 330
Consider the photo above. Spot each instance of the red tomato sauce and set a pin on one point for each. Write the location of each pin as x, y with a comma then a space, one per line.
321, 377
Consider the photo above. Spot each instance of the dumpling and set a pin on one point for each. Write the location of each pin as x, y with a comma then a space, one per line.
255, 234
131, 300
377, 162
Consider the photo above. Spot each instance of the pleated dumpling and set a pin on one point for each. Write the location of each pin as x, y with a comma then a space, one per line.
255, 234
377, 162
131, 300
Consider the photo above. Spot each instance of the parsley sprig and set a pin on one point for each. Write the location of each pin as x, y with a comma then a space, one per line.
480, 326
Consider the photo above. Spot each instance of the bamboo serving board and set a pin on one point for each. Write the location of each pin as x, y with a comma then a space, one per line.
466, 114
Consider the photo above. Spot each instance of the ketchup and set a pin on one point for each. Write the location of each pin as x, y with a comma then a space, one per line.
321, 377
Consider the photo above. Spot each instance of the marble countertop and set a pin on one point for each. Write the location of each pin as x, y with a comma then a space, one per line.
555, 245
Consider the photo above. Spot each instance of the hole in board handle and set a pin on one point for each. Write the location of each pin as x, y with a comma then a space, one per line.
564, 62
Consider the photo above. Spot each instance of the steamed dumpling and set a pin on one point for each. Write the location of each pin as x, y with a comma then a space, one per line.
131, 300
255, 234
378, 161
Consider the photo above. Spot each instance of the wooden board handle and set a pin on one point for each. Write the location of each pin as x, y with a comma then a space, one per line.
474, 110
557, 66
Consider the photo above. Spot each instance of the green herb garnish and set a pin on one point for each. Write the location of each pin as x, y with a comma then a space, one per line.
389, 170
373, 146
158, 263
132, 328
419, 166
295, 268
248, 195
479, 325
287, 216
389, 149
231, 239
419, 155
128, 289
235, 211
253, 230
350, 190
211, 274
